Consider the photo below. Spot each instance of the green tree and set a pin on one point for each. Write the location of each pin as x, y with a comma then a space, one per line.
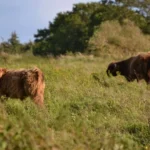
14, 42
27, 47
71, 31
113, 12
142, 7
5, 46
68, 32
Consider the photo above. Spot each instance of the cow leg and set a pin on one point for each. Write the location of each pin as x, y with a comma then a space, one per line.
38, 99
39, 96
148, 77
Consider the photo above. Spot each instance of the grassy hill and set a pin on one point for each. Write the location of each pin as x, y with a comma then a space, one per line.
84, 109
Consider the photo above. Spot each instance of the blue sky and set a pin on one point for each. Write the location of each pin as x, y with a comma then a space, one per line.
26, 16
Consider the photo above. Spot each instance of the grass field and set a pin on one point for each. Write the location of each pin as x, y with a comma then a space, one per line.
84, 109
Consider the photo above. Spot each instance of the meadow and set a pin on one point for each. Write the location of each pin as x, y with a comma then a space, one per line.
84, 109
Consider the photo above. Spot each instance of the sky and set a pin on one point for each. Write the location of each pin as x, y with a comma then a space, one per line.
25, 17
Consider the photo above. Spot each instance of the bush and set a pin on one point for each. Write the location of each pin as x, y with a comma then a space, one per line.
112, 38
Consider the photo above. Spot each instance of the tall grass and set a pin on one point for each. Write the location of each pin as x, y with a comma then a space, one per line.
115, 39
84, 109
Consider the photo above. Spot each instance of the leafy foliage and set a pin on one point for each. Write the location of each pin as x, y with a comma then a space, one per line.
71, 31
143, 6
68, 32
14, 42
14, 46
113, 38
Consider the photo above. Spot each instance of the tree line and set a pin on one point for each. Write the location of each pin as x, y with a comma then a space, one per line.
13, 45
71, 31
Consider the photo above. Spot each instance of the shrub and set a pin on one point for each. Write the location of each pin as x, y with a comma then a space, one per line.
113, 38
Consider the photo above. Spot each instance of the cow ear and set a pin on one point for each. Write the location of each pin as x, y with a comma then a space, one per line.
2, 71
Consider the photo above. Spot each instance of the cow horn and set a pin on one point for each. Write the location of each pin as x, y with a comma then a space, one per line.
114, 65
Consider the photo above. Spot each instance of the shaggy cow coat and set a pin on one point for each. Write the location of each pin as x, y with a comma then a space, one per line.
136, 67
22, 83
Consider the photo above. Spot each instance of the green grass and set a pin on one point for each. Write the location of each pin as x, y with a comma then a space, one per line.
84, 109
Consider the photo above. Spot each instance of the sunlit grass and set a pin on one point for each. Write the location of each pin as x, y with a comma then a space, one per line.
84, 109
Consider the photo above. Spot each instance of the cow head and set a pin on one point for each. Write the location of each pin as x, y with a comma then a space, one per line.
112, 69
2, 71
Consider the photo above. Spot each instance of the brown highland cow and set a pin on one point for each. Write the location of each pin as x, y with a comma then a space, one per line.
136, 67
23, 83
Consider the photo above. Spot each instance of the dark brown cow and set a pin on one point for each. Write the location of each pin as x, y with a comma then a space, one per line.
136, 67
